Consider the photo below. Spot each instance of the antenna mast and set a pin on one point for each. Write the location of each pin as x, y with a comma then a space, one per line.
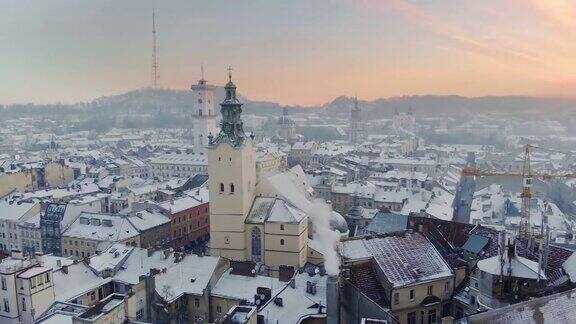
155, 74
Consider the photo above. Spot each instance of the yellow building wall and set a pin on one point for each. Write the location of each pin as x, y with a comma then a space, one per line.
228, 210
58, 175
20, 181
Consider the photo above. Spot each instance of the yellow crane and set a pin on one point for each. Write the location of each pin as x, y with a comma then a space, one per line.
527, 175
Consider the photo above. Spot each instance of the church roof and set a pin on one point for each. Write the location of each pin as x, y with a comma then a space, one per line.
283, 212
276, 210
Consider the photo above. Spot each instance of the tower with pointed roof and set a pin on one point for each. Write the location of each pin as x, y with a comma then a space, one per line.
231, 179
203, 115
286, 129
356, 132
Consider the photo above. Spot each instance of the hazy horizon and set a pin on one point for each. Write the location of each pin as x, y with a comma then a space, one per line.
293, 53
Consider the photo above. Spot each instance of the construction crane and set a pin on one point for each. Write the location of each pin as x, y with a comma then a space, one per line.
527, 175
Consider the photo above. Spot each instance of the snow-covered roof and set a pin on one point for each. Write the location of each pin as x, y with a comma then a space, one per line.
283, 212
183, 203
190, 275
101, 227
194, 159
404, 259
520, 266
79, 279
145, 220
238, 287
297, 303
34, 271
15, 210
354, 250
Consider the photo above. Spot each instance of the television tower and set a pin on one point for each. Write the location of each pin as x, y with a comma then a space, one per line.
155, 74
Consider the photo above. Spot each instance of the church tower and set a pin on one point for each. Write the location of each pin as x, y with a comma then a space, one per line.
203, 116
231, 180
356, 129
287, 130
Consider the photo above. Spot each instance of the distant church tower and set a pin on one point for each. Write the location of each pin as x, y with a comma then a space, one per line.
203, 116
231, 180
356, 132
286, 130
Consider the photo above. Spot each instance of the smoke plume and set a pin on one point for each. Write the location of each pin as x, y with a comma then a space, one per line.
320, 214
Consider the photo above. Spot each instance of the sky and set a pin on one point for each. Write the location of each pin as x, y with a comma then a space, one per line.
297, 52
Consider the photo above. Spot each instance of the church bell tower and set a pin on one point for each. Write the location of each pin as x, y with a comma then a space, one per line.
232, 179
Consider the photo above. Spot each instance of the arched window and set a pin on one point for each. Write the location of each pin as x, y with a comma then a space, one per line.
231, 188
221, 187
256, 245
281, 241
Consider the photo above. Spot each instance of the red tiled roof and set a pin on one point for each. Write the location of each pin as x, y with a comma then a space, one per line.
363, 277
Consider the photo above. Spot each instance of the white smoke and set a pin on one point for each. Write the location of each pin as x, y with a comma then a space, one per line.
320, 214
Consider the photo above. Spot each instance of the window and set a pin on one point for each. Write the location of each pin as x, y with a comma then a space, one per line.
430, 290
412, 294
281, 227
447, 286
196, 302
221, 187
23, 304
93, 296
139, 314
432, 316
6, 306
218, 309
227, 239
231, 188
412, 318
396, 298
281, 241
4, 283
256, 244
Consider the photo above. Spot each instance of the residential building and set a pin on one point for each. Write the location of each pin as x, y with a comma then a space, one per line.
91, 233
189, 218
26, 290
12, 213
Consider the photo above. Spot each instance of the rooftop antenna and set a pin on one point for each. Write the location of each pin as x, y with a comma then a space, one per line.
155, 74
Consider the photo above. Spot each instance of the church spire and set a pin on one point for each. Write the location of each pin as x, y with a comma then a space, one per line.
231, 126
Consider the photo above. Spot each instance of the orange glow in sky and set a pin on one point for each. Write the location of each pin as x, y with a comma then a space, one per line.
296, 52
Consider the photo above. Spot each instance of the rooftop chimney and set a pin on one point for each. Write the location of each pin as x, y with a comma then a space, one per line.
333, 299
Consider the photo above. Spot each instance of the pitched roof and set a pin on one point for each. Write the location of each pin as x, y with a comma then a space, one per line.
475, 243
557, 308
